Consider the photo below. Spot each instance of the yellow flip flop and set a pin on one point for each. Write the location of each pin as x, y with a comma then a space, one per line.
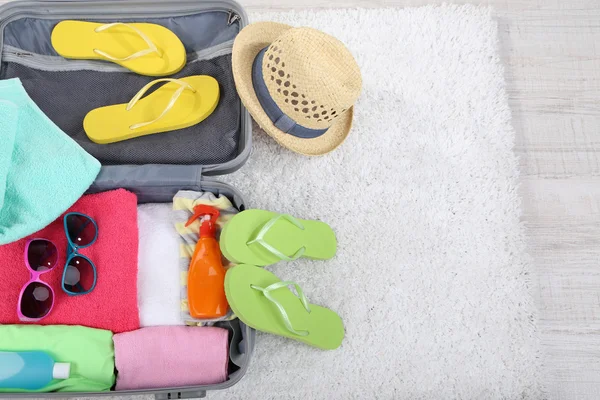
176, 105
146, 49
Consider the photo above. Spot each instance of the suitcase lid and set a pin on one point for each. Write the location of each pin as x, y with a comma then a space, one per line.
25, 28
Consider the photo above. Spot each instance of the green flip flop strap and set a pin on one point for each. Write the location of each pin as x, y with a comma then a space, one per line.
286, 319
260, 237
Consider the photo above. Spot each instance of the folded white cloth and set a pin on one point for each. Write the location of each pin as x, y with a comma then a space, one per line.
158, 267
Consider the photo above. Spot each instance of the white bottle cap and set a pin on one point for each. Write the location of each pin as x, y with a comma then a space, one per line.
61, 371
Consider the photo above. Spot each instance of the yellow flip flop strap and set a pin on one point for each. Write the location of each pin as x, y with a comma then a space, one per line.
151, 46
138, 96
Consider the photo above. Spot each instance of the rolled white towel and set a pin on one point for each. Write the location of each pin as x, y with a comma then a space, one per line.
158, 268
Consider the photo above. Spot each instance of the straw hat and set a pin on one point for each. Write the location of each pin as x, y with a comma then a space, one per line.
299, 84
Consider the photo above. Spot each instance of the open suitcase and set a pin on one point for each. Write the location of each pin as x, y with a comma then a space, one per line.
66, 89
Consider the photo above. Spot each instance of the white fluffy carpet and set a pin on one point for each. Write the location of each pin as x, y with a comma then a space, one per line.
430, 277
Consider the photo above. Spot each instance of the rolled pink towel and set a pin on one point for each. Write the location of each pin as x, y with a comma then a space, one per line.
171, 356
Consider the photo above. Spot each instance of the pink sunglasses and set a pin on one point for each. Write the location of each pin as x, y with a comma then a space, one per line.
37, 298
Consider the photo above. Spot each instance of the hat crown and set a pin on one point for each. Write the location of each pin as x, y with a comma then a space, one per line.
311, 76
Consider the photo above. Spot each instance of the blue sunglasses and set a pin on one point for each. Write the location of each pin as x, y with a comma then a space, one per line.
79, 275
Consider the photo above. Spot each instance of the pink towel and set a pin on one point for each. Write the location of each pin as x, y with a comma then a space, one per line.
171, 356
112, 305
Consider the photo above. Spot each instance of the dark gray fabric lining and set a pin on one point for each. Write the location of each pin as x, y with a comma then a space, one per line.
66, 97
197, 32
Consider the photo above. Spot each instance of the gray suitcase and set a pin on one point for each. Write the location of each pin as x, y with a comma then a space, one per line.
155, 167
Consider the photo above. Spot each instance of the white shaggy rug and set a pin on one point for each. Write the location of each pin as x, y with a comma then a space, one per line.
430, 277
431, 272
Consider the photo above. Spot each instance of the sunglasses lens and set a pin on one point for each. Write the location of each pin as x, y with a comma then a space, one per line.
79, 276
37, 300
42, 255
81, 229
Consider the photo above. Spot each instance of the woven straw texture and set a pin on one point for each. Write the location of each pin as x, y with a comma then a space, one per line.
311, 76
323, 82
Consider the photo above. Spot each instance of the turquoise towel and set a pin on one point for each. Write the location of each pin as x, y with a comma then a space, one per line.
42, 170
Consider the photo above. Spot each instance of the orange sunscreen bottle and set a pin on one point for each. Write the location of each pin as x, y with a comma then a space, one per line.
206, 277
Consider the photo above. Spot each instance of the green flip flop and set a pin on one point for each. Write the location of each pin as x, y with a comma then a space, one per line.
262, 301
262, 238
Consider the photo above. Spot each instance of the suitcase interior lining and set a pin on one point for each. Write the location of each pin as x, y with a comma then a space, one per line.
66, 90
196, 32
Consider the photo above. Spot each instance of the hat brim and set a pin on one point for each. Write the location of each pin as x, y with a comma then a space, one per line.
247, 45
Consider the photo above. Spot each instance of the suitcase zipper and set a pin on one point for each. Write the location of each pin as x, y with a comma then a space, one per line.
232, 17
133, 9
57, 63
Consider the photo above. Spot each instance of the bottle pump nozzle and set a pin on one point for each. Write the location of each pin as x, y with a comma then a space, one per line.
208, 226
